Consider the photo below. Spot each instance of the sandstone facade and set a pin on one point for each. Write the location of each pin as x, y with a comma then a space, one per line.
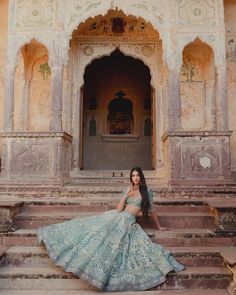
63, 62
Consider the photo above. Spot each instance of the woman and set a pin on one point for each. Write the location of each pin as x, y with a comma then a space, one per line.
110, 250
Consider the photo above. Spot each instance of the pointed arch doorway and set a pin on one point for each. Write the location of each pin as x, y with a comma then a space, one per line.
117, 115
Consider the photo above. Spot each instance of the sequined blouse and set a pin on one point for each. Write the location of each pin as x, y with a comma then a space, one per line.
136, 201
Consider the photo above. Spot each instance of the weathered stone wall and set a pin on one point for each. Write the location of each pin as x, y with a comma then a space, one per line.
230, 26
3, 52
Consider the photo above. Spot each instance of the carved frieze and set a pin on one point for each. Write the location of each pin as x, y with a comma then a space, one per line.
77, 9
117, 25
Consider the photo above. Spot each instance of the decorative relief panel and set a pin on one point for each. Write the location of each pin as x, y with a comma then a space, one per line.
34, 13
200, 160
231, 47
29, 159
117, 24
79, 8
197, 12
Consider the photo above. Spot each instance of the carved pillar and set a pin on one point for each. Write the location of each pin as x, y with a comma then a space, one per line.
9, 103
174, 102
65, 113
222, 103
56, 103
25, 106
211, 104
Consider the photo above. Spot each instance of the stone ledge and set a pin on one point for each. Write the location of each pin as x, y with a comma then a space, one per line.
120, 137
195, 133
35, 134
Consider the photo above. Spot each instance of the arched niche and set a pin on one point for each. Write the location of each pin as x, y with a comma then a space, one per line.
120, 85
197, 87
32, 88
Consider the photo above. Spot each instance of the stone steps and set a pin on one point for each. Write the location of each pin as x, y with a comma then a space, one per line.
95, 292
25, 265
36, 255
172, 238
41, 278
85, 205
170, 220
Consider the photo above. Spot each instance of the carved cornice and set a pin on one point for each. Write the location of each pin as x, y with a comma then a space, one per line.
16, 134
196, 133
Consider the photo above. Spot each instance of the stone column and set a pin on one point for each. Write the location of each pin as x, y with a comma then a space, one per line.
56, 103
222, 99
174, 101
9, 102
210, 86
25, 106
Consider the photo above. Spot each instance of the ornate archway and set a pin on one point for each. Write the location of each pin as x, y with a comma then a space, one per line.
99, 37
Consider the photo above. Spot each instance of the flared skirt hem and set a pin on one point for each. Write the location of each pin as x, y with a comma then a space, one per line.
151, 283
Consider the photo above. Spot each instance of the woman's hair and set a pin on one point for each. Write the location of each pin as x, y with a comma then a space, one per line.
143, 190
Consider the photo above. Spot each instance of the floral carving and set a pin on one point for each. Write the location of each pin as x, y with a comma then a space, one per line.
189, 71
34, 13
197, 12
45, 70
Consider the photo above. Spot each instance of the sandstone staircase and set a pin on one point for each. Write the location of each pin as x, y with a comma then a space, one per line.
197, 238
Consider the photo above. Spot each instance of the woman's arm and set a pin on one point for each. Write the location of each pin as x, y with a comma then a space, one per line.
121, 203
155, 218
153, 211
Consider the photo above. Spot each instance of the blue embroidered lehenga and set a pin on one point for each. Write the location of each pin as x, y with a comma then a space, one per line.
109, 250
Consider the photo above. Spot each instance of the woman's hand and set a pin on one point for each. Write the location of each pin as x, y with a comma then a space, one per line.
131, 191
155, 218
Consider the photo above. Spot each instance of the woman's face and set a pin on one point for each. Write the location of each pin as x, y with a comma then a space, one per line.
135, 177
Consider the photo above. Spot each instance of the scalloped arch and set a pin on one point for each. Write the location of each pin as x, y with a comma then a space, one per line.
125, 52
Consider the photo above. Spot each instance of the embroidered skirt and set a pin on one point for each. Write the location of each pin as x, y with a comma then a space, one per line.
109, 250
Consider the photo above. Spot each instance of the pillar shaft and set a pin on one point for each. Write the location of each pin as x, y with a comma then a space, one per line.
9, 101
56, 103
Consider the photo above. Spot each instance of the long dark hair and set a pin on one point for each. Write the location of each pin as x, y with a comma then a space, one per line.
142, 189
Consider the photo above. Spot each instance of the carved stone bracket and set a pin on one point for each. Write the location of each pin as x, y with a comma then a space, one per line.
229, 256
225, 214
8, 209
